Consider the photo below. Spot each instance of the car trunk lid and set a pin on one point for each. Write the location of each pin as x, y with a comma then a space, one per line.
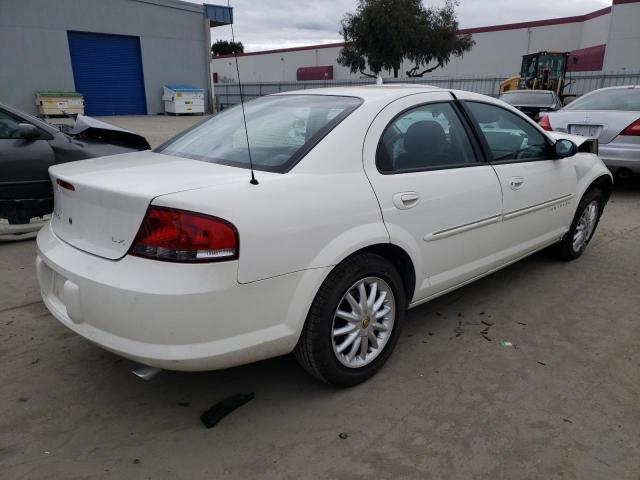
600, 124
100, 203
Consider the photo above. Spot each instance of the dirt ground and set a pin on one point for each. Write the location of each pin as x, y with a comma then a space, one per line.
562, 401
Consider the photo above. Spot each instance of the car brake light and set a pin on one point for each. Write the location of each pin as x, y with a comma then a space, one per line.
181, 236
545, 123
632, 130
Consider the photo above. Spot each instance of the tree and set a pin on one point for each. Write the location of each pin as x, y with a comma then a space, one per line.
382, 33
223, 47
436, 39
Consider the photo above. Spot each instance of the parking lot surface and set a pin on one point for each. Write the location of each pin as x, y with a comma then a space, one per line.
532, 372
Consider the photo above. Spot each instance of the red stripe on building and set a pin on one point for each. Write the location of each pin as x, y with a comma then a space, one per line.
491, 28
589, 59
538, 23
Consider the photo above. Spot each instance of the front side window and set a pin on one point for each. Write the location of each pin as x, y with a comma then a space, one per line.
509, 136
281, 130
626, 99
8, 126
426, 137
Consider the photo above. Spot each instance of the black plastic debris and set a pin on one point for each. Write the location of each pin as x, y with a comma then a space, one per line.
343, 435
211, 417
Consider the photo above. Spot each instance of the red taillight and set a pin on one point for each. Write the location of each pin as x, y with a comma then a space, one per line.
545, 123
632, 130
65, 184
181, 236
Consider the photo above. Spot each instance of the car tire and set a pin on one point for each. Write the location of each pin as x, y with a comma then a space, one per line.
583, 227
323, 349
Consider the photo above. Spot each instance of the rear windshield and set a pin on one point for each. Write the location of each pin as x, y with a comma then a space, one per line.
282, 129
527, 98
626, 99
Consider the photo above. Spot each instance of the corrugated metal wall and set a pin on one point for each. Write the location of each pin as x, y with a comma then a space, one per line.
34, 44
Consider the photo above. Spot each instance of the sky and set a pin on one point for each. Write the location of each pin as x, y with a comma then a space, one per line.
271, 24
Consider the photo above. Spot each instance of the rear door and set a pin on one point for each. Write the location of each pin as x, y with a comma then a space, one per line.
439, 201
23, 167
537, 189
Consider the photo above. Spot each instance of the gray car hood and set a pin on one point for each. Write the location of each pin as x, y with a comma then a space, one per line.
92, 129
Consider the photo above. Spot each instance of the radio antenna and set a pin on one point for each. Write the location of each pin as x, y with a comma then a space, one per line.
253, 180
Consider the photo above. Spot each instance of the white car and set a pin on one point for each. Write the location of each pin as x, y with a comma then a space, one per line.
369, 201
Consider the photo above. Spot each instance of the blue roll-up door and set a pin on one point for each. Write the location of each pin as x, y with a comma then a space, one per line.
107, 70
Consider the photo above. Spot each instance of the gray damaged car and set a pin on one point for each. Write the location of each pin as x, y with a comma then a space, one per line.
29, 146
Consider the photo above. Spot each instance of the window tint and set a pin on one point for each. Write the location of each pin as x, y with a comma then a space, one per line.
627, 99
281, 129
424, 137
509, 136
8, 126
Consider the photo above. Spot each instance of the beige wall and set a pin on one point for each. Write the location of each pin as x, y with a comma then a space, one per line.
496, 53
623, 44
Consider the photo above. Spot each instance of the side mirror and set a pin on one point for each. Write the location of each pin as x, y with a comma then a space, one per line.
28, 131
565, 148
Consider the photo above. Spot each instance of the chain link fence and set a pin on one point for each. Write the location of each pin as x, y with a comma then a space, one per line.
228, 94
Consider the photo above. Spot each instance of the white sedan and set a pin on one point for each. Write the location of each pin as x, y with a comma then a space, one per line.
368, 201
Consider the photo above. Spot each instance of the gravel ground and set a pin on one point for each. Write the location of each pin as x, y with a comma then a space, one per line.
560, 402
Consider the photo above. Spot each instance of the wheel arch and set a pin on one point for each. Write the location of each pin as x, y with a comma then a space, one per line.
604, 183
400, 259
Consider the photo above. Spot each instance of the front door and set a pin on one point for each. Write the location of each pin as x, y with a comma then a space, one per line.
24, 173
439, 201
538, 190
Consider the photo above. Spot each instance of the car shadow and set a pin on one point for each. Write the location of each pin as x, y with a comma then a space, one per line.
282, 380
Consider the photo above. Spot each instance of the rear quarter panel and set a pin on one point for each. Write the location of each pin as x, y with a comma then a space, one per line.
314, 216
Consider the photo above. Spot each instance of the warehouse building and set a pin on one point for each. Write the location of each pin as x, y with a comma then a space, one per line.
607, 39
117, 53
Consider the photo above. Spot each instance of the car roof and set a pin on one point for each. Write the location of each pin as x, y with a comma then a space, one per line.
617, 87
369, 92
524, 90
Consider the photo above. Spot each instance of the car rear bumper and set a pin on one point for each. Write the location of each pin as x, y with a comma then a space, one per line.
617, 155
10, 232
170, 315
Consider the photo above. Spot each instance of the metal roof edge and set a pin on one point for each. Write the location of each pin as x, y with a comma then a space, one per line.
178, 4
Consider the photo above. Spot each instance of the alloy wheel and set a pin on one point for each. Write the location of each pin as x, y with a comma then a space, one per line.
585, 226
363, 322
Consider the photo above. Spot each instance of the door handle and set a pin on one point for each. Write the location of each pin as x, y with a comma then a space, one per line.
406, 200
516, 182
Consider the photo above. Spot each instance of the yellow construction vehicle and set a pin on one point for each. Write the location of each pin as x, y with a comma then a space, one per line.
540, 71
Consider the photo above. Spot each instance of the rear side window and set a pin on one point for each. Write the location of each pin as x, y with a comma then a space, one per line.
528, 98
626, 99
282, 129
509, 136
423, 138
